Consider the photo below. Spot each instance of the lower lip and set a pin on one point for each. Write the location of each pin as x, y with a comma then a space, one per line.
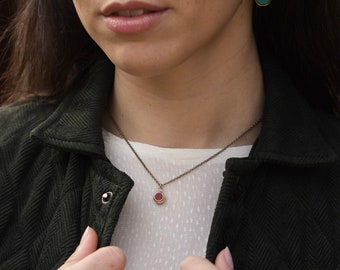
133, 25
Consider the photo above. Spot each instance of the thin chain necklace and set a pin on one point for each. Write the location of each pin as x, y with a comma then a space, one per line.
159, 196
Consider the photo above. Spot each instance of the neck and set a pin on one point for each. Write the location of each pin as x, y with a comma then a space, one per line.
194, 106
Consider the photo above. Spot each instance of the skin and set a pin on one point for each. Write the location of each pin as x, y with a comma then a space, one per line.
164, 74
177, 87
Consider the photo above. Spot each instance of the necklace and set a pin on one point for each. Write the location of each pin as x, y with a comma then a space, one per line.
159, 196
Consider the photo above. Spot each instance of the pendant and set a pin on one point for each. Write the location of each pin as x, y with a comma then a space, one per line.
159, 197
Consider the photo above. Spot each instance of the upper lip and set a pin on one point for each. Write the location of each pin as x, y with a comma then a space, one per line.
131, 5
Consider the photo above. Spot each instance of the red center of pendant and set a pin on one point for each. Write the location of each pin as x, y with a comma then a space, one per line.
159, 196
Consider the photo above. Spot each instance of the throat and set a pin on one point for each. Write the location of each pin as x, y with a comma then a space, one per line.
205, 108
186, 128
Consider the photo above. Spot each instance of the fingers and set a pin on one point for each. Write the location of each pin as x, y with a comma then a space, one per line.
87, 257
108, 258
197, 263
224, 260
88, 245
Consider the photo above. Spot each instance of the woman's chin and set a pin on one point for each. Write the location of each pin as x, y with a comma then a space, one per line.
142, 69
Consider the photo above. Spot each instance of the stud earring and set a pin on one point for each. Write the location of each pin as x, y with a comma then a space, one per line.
263, 3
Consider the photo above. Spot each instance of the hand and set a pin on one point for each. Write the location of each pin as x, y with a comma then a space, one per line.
224, 261
87, 257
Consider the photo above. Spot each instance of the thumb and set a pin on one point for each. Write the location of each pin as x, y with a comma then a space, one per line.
88, 245
224, 260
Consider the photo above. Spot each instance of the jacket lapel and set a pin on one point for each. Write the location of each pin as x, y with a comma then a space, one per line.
76, 124
290, 134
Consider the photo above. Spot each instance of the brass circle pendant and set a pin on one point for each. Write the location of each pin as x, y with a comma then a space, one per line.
159, 197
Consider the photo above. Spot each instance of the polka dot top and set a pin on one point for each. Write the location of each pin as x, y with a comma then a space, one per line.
155, 236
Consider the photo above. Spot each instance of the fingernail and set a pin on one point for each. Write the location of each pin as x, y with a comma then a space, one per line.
228, 258
85, 235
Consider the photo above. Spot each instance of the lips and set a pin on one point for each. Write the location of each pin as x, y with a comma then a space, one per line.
130, 9
132, 17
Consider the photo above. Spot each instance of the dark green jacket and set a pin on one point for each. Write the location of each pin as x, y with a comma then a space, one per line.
277, 209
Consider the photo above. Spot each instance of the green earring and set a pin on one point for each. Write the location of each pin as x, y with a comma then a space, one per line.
263, 3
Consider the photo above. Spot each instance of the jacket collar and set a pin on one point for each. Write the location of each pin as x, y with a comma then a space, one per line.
289, 132
76, 123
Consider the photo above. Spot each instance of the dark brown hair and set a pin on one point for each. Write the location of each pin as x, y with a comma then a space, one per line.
48, 50
6, 8
304, 36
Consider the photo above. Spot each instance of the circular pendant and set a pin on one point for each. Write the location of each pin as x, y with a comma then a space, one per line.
159, 197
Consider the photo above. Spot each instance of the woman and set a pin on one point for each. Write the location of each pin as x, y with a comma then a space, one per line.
220, 113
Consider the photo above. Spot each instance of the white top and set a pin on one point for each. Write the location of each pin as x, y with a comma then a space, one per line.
161, 236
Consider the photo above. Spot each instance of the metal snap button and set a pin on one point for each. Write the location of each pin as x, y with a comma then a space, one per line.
106, 197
